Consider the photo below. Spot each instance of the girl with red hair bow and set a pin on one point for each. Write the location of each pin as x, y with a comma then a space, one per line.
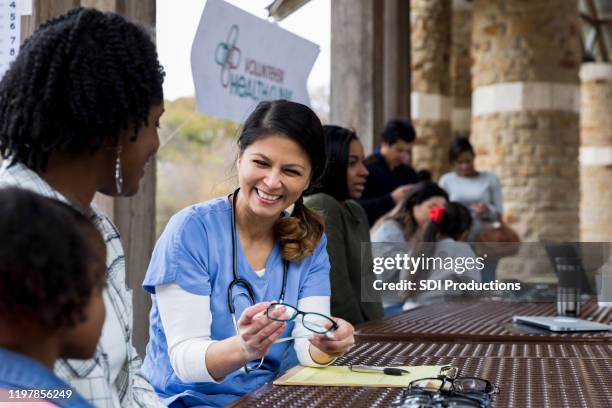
448, 226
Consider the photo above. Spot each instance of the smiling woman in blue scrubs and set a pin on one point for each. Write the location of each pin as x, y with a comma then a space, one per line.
198, 354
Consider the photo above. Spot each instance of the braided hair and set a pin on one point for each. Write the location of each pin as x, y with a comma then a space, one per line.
77, 81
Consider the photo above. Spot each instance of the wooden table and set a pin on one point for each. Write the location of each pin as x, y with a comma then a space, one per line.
531, 370
484, 320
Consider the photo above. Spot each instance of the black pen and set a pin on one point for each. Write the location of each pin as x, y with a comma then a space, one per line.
374, 369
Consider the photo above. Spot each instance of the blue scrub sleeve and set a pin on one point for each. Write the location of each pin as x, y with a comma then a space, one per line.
316, 282
181, 255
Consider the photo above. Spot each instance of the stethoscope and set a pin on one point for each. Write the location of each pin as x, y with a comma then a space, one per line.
237, 281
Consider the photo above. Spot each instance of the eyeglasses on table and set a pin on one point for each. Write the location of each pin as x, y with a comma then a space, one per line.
448, 390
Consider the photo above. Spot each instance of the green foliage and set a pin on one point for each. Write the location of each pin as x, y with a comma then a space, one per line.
195, 162
181, 120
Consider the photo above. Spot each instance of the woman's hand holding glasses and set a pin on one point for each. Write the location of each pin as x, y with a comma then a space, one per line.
338, 344
256, 332
333, 336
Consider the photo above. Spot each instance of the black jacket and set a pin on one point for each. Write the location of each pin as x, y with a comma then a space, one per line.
376, 199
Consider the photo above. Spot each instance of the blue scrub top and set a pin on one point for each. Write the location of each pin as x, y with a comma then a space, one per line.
195, 252
19, 372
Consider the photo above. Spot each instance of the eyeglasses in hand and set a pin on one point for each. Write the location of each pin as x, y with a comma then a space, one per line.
312, 321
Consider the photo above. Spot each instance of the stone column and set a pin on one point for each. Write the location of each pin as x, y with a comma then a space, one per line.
430, 97
525, 105
596, 152
460, 66
356, 97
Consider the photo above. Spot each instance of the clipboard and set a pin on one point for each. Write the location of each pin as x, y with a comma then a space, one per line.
341, 376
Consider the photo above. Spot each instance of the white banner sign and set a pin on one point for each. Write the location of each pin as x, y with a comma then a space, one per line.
10, 33
238, 60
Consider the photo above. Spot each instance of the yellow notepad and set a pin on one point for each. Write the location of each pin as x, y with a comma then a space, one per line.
341, 376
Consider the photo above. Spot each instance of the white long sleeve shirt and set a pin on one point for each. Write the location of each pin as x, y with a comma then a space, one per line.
187, 320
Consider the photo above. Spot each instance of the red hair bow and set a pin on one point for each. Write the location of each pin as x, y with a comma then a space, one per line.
436, 214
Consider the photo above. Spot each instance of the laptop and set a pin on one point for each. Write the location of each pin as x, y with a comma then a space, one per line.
561, 323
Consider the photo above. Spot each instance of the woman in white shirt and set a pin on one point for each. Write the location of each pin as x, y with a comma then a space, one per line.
480, 191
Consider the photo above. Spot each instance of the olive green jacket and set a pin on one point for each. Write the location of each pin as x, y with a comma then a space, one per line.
346, 227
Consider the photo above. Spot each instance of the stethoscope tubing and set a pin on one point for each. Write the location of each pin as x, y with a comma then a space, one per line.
237, 281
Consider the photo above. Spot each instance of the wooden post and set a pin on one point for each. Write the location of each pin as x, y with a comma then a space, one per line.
135, 216
102, 5
396, 61
356, 67
43, 10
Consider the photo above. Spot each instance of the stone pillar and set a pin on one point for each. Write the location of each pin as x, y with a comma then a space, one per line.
525, 104
460, 66
356, 97
596, 152
430, 97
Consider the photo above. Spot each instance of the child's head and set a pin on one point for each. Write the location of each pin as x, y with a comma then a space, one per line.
52, 271
412, 212
453, 220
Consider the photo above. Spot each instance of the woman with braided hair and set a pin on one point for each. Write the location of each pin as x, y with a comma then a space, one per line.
78, 114
219, 265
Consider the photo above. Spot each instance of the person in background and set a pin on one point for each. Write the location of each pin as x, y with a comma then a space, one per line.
390, 176
79, 110
399, 231
218, 266
424, 175
52, 272
480, 191
346, 224
448, 225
